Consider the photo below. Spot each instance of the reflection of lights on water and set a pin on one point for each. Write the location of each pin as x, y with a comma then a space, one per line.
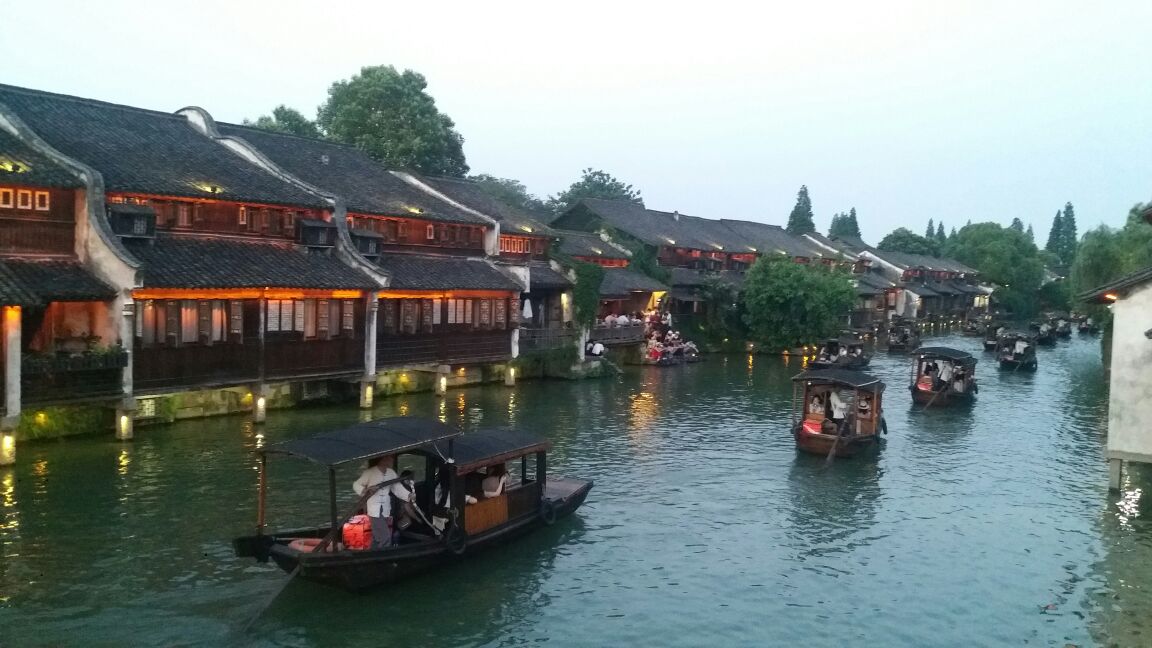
404, 408
259, 440
123, 462
460, 402
443, 412
644, 410
40, 468
512, 408
1129, 506
750, 360
9, 521
804, 362
787, 359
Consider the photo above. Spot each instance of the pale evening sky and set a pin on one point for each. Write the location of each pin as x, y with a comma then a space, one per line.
905, 110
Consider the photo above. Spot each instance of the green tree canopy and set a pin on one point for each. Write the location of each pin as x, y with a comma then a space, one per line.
389, 115
1068, 236
1030, 234
594, 183
931, 231
940, 236
286, 120
512, 192
1017, 225
800, 220
844, 225
905, 240
790, 304
1105, 254
1004, 256
1055, 235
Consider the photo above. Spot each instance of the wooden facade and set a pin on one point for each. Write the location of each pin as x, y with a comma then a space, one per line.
37, 220
214, 216
419, 234
462, 328
524, 248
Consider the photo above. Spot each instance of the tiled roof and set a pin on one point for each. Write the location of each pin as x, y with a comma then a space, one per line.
773, 239
541, 275
426, 272
144, 151
201, 262
31, 282
20, 164
367, 186
513, 220
619, 282
584, 244
1099, 295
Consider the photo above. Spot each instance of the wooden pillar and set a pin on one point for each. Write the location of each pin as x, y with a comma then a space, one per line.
11, 325
368, 383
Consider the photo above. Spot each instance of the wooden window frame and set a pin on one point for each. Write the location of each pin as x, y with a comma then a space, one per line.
7, 198
24, 199
42, 201
242, 217
183, 215
430, 232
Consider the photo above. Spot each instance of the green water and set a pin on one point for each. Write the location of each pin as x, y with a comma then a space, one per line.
987, 526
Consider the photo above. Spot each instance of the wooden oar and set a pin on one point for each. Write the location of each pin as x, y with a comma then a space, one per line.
935, 395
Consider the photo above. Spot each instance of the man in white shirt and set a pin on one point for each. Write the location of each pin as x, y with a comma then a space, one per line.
945, 376
379, 504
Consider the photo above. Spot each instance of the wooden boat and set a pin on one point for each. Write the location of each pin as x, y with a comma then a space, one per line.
903, 338
829, 357
1014, 357
992, 334
972, 329
438, 454
1087, 327
927, 388
1045, 333
817, 425
1062, 328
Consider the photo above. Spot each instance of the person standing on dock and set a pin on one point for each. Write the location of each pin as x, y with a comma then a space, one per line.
379, 505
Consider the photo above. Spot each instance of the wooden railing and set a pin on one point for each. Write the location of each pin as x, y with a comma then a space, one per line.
546, 339
618, 335
161, 367
63, 378
444, 348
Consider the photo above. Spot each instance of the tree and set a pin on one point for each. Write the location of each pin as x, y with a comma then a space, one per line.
286, 120
1031, 236
1105, 255
940, 236
593, 183
1017, 225
1004, 256
790, 304
389, 115
1055, 235
800, 220
844, 225
509, 191
951, 235
904, 240
1068, 238
931, 231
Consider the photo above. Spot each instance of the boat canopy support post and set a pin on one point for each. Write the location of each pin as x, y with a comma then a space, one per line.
262, 494
542, 470
1115, 473
332, 500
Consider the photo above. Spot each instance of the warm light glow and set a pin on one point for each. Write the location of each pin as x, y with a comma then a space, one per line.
526, 228
13, 167
244, 293
41, 418
444, 294
369, 393
210, 188
1111, 297
123, 462
124, 423
443, 383
7, 448
512, 372
404, 378
413, 210
671, 242
461, 372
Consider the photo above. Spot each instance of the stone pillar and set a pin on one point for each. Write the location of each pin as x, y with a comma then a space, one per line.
259, 403
11, 325
1115, 473
510, 376
368, 383
127, 339
442, 379
124, 424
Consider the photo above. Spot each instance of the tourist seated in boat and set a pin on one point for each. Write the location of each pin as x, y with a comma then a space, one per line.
816, 405
594, 348
1020, 347
864, 407
495, 482
378, 506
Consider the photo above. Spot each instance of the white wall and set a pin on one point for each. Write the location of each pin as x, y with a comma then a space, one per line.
1130, 402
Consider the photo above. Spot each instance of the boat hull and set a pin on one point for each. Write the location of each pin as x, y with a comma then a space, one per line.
1009, 364
361, 570
854, 365
940, 399
821, 444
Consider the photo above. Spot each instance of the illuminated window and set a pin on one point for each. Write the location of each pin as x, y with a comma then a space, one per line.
139, 225
323, 314
430, 233
183, 216
42, 201
243, 216
7, 198
349, 312
23, 199
235, 317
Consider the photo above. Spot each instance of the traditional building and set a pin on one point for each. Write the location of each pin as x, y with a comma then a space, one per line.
232, 291
446, 304
1130, 384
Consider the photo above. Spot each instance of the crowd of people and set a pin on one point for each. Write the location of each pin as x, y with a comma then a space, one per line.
834, 410
662, 344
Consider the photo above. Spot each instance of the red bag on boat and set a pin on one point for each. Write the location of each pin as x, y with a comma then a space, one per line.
358, 533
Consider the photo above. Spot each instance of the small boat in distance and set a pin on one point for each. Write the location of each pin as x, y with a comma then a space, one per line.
1087, 327
992, 334
943, 376
1017, 352
440, 458
903, 337
836, 412
841, 353
1045, 333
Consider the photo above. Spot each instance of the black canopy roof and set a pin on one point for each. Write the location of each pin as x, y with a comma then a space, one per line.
483, 447
366, 440
946, 353
845, 377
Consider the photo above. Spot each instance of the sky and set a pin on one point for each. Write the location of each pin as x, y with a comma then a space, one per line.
905, 110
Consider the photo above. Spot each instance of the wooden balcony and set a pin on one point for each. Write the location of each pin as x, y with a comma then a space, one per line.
444, 348
619, 335
546, 339
289, 359
157, 368
35, 236
52, 379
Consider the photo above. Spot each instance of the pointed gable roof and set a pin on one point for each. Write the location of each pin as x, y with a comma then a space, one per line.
20, 164
149, 152
513, 219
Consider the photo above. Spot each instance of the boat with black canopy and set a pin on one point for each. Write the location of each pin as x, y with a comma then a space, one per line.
428, 454
992, 333
943, 376
1017, 352
902, 337
1045, 333
836, 412
842, 353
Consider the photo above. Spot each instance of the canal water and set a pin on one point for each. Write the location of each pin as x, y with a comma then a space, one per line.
987, 526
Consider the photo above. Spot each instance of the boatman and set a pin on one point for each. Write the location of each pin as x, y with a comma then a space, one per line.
379, 505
